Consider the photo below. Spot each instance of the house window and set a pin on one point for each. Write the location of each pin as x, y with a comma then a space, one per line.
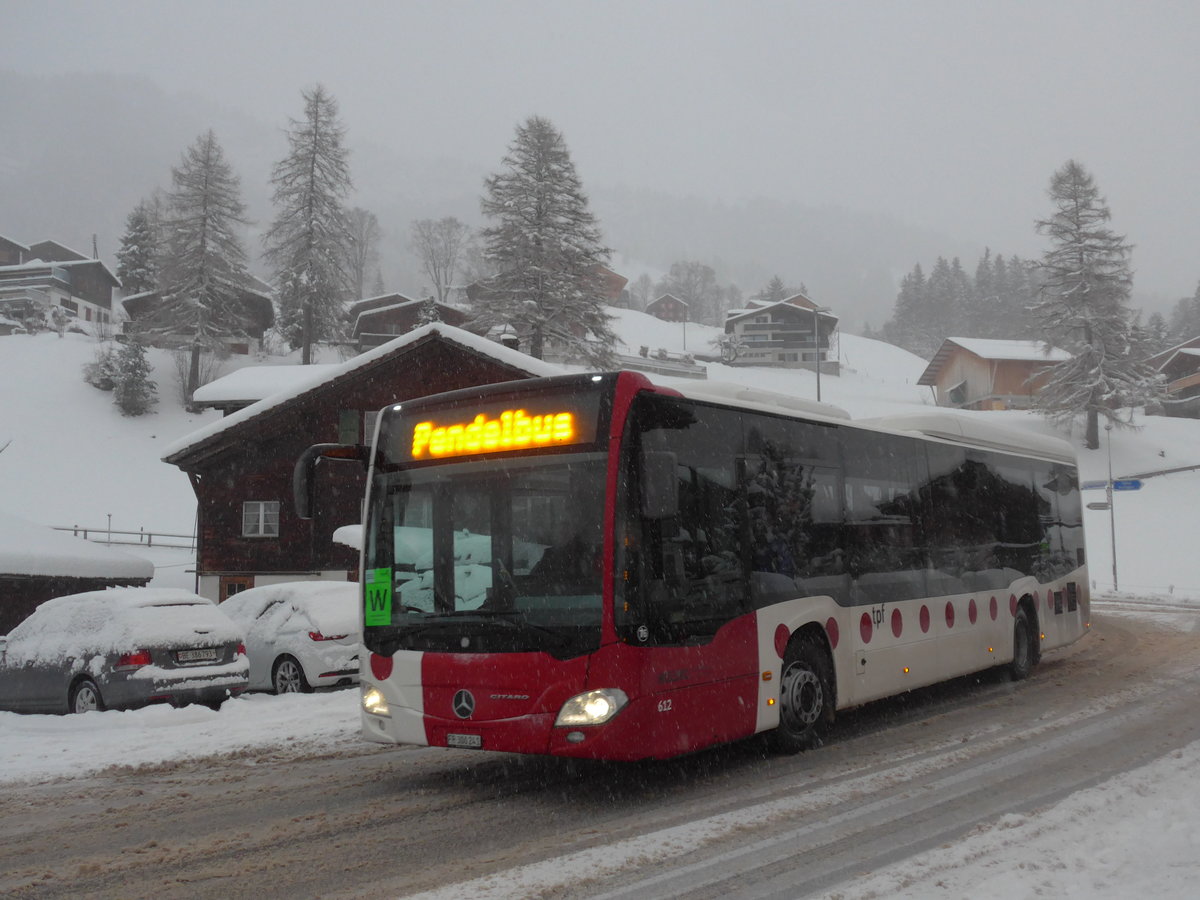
260, 518
235, 584
348, 420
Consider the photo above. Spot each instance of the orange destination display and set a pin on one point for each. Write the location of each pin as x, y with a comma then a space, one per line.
431, 431
513, 429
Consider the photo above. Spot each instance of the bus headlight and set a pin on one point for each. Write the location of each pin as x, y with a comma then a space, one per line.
373, 702
592, 708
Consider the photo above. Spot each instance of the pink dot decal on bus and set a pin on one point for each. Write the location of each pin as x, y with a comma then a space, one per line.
949, 614
993, 608
924, 619
831, 629
781, 640
897, 622
972, 611
864, 628
381, 667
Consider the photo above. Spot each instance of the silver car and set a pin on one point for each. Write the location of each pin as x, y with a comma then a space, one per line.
121, 649
300, 635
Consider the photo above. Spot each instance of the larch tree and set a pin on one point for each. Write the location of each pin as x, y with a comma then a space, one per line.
306, 244
439, 245
203, 266
362, 249
137, 259
546, 250
1083, 306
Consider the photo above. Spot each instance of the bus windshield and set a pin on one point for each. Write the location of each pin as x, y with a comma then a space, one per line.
502, 555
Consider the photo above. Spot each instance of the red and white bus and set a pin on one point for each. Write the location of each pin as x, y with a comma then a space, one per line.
599, 566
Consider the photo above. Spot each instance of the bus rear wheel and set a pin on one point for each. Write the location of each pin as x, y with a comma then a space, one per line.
1023, 647
805, 697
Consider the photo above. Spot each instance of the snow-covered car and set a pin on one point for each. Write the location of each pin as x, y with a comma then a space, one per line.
121, 649
300, 635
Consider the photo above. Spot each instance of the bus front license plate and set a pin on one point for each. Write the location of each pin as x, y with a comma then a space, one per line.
465, 741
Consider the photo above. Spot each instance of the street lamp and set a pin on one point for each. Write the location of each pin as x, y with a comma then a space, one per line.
1112, 516
817, 310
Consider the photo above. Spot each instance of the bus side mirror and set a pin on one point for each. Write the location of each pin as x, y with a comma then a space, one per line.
302, 474
660, 485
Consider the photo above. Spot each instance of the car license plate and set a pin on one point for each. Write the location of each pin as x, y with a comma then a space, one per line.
205, 655
466, 741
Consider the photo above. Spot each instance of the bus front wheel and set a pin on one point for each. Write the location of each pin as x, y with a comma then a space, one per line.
805, 697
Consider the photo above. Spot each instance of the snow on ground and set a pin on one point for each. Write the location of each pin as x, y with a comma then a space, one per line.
74, 459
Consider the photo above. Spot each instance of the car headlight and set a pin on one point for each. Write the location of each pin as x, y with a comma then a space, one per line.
374, 702
591, 708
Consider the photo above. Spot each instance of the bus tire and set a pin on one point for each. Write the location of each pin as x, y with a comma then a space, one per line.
805, 697
1023, 647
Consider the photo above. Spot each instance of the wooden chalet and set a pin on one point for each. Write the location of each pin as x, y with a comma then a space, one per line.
48, 275
989, 374
1180, 366
143, 310
791, 333
240, 467
377, 320
669, 308
39, 563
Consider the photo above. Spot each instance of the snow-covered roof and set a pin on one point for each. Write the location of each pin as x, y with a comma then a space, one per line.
29, 549
786, 304
472, 342
995, 348
253, 383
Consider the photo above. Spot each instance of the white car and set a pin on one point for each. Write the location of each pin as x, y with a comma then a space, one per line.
300, 635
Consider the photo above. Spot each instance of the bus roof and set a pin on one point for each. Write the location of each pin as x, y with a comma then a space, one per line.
970, 431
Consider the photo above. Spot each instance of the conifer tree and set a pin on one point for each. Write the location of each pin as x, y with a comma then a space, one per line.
133, 391
306, 244
1083, 307
137, 260
545, 247
203, 269
362, 249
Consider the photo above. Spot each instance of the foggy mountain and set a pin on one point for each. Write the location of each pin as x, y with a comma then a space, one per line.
78, 152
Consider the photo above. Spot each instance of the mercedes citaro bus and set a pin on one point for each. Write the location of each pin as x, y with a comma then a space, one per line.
600, 566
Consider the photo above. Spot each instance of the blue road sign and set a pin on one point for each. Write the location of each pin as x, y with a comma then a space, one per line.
1128, 484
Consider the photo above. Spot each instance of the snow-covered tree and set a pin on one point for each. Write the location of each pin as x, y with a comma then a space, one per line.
545, 246
203, 267
133, 391
137, 260
1083, 307
428, 312
439, 245
306, 244
1185, 318
362, 249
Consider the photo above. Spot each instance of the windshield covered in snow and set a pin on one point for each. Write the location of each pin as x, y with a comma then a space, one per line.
503, 555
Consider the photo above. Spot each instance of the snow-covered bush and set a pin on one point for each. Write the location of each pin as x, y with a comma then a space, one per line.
102, 372
133, 391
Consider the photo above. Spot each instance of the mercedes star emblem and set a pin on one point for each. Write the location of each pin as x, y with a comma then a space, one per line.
464, 704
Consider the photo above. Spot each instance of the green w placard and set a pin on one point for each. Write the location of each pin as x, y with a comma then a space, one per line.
378, 597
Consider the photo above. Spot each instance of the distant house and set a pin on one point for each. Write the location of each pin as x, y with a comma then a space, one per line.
989, 374
1181, 367
241, 466
376, 320
669, 308
38, 563
791, 333
41, 277
144, 313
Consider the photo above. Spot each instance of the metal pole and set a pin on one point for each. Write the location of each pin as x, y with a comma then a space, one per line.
1112, 516
817, 349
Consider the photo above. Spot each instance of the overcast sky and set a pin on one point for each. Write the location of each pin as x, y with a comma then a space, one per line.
947, 114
